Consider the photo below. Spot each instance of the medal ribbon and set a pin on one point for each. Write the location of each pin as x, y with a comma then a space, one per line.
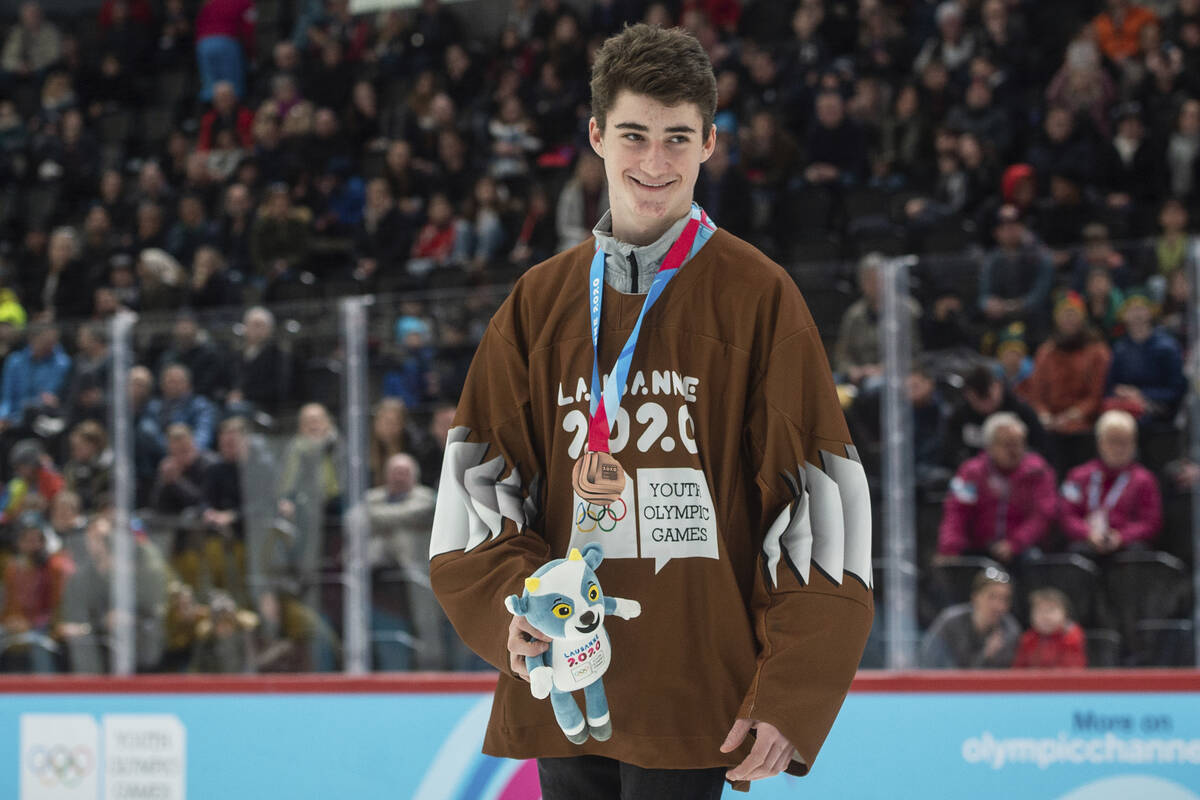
1114, 492
603, 414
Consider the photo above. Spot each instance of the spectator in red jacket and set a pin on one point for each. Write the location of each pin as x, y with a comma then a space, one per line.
226, 114
224, 38
1111, 502
1002, 501
1053, 640
34, 579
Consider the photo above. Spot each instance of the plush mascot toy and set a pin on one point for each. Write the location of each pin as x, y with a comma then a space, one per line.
563, 600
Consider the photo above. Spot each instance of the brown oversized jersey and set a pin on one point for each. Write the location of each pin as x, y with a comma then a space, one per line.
743, 530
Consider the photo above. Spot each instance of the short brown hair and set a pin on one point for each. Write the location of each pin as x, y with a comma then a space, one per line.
666, 64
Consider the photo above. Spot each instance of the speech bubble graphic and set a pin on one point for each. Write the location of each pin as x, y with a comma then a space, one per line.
676, 518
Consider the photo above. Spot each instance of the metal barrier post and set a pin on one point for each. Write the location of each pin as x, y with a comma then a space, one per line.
899, 509
356, 576
124, 575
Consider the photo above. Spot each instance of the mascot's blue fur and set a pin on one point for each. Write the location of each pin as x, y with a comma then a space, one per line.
563, 600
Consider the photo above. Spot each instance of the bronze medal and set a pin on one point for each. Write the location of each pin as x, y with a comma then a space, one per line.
598, 478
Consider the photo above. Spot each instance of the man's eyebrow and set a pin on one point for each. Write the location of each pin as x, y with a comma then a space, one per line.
637, 126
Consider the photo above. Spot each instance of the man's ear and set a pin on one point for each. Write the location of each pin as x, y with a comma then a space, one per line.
596, 136
709, 144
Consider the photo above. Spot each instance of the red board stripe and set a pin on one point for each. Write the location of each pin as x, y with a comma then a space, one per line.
443, 682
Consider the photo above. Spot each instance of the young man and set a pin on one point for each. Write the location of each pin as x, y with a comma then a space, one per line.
742, 525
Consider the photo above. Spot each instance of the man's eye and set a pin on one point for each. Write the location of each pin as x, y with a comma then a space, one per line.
633, 137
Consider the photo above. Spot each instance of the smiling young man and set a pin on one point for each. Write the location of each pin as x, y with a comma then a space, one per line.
711, 462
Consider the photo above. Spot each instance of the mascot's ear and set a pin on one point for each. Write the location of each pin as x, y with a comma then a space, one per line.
516, 605
593, 554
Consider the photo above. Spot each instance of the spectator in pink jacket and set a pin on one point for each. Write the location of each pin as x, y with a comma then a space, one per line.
1111, 502
1002, 501
224, 39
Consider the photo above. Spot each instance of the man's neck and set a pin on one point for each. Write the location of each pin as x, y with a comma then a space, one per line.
639, 234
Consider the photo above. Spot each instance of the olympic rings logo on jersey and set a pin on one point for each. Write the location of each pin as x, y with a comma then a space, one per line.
63, 765
589, 516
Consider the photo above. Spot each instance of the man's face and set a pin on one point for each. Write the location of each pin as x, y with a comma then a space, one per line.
1117, 447
652, 155
180, 446
400, 477
1007, 448
43, 344
174, 384
991, 603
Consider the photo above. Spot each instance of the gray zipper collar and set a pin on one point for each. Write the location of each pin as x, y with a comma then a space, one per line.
618, 272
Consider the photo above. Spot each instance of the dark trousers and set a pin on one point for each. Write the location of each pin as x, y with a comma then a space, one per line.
599, 778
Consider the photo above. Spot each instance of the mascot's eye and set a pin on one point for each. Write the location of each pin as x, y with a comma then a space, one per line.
562, 610
593, 592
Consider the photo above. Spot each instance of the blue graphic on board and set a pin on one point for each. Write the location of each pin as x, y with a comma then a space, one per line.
1103, 746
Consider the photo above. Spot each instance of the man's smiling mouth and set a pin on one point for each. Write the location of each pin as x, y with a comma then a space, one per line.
649, 185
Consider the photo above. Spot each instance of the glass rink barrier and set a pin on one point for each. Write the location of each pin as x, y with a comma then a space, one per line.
252, 491
1028, 421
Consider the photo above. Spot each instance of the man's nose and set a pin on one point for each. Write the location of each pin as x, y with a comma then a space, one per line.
655, 160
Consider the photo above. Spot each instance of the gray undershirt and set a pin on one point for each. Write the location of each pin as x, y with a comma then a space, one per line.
618, 272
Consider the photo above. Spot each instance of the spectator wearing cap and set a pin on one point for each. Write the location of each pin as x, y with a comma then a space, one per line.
1017, 274
34, 580
1118, 29
1145, 377
1131, 170
1013, 364
1067, 385
857, 356
35, 481
34, 378
179, 403
1002, 501
981, 633
223, 29
1112, 502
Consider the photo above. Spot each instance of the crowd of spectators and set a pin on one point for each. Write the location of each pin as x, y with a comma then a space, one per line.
191, 159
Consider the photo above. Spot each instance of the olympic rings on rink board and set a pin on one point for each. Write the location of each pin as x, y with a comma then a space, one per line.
60, 764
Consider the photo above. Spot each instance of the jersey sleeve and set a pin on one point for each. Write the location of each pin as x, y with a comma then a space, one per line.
812, 599
483, 544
